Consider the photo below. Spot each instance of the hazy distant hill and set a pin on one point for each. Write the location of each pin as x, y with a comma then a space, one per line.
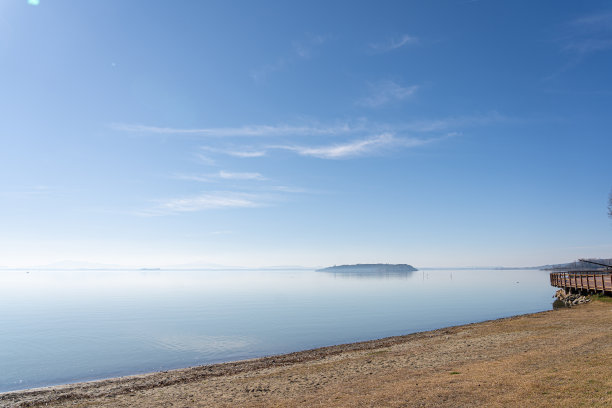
76, 265
579, 265
370, 268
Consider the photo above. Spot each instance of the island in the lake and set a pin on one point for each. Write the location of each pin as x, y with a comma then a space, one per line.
370, 268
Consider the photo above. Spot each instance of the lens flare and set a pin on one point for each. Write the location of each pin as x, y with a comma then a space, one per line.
33, 2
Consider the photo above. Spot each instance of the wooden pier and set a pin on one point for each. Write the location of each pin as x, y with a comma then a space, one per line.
583, 281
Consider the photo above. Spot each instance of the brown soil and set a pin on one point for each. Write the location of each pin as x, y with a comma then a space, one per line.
549, 359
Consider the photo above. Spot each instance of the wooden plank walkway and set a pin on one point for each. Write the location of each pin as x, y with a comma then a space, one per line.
585, 281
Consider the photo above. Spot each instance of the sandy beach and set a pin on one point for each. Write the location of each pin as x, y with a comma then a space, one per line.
554, 358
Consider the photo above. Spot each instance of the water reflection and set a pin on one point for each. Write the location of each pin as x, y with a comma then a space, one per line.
59, 327
356, 274
371, 271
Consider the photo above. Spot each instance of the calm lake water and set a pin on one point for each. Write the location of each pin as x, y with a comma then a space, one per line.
61, 327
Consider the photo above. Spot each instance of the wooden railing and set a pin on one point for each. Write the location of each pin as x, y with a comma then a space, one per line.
582, 280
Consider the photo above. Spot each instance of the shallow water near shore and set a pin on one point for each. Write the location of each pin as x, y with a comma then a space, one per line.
66, 326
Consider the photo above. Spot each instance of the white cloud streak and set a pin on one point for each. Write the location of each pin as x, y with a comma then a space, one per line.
36, 191
242, 152
358, 129
205, 159
221, 232
221, 175
589, 45
243, 131
303, 49
240, 176
354, 148
589, 34
385, 92
394, 43
452, 122
237, 153
203, 202
262, 72
598, 21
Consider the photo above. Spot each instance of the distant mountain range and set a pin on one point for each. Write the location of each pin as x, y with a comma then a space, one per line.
75, 265
70, 265
355, 269
370, 268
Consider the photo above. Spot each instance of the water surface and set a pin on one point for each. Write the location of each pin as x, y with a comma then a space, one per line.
59, 327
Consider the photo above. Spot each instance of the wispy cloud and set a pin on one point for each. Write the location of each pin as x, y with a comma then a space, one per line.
35, 191
384, 92
226, 175
359, 128
588, 34
203, 202
302, 49
582, 37
221, 175
244, 152
239, 153
248, 197
288, 189
205, 159
305, 48
394, 43
453, 122
589, 45
354, 148
242, 131
227, 232
601, 21
260, 73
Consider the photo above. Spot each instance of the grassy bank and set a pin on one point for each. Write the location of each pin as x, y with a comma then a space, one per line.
601, 298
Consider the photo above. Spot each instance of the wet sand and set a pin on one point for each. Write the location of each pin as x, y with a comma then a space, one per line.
549, 359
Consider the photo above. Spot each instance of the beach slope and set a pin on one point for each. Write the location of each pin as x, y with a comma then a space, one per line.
548, 359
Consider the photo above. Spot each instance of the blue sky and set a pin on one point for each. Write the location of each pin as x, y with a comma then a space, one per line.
440, 133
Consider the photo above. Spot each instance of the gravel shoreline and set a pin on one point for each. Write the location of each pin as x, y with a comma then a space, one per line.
340, 375
120, 385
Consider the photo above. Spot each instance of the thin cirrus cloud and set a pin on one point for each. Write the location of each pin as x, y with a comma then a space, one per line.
356, 141
226, 175
355, 148
588, 34
598, 21
348, 149
243, 152
241, 131
202, 202
385, 92
394, 43
221, 175
454, 122
223, 232
588, 45
303, 49
36, 191
583, 37
346, 128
